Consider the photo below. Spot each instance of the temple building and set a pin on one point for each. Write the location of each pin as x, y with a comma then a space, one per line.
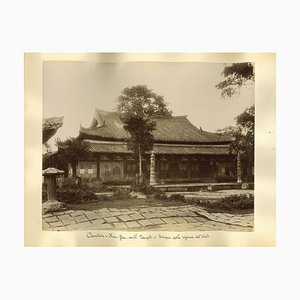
181, 152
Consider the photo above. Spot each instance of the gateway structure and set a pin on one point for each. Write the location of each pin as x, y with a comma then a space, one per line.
181, 152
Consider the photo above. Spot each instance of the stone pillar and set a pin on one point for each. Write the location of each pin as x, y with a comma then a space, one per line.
52, 204
239, 169
51, 187
152, 169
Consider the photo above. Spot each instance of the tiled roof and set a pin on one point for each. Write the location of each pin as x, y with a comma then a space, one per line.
191, 149
107, 125
118, 147
108, 147
50, 127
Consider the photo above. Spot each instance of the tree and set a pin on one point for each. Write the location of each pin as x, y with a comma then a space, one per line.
141, 137
71, 150
141, 101
136, 106
243, 134
236, 76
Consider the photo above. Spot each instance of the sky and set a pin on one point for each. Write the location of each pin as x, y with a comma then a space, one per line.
74, 89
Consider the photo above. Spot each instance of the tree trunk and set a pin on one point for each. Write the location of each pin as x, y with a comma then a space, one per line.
140, 165
73, 170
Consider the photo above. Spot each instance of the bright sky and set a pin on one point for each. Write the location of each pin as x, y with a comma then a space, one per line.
75, 89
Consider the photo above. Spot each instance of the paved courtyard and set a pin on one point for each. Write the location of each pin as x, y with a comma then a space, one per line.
163, 218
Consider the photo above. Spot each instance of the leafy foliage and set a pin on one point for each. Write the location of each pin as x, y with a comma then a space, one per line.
120, 194
73, 193
176, 197
236, 75
71, 150
144, 188
141, 101
243, 134
233, 202
140, 130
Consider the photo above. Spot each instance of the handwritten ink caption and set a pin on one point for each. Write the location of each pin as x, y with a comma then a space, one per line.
148, 237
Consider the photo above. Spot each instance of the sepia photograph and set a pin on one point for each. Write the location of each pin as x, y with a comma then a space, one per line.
148, 146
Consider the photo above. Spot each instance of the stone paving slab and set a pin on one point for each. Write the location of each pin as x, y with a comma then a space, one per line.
56, 224
120, 225
47, 215
147, 215
125, 218
64, 217
85, 224
111, 219
76, 213
98, 222
133, 224
114, 209
80, 219
60, 228
169, 220
51, 219
157, 221
181, 213
60, 213
92, 216
115, 213
190, 219
104, 210
104, 214
145, 222
159, 215
68, 221
137, 216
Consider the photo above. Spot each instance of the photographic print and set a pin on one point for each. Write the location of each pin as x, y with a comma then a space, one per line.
140, 147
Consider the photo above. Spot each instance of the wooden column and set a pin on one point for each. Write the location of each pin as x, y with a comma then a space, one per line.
189, 169
98, 167
152, 169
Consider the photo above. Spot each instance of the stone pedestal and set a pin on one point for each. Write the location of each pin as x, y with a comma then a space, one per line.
52, 203
153, 180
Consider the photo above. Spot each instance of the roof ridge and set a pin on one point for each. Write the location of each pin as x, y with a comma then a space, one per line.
98, 110
154, 117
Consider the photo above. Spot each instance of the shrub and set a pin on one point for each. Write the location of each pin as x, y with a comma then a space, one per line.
44, 192
160, 195
149, 190
72, 193
44, 196
144, 188
233, 202
176, 197
120, 194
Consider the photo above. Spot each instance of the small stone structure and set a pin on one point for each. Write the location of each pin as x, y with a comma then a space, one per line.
153, 180
245, 186
52, 203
